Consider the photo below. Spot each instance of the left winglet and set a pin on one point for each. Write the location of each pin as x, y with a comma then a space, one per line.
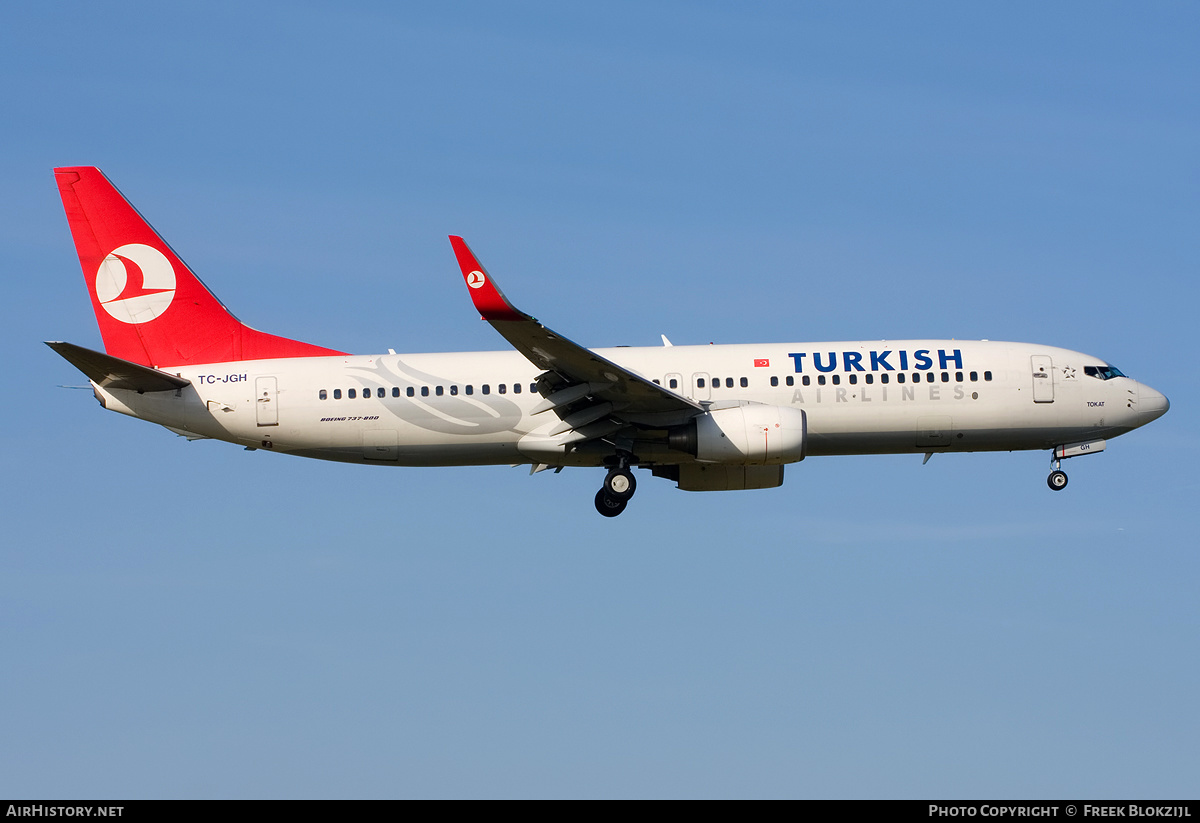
615, 390
489, 301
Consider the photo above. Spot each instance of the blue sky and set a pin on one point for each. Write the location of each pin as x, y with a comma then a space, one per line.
192, 620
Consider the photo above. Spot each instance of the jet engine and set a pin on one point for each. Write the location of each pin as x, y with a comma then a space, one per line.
753, 434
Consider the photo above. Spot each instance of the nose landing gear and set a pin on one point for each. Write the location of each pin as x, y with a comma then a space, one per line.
1058, 478
1057, 481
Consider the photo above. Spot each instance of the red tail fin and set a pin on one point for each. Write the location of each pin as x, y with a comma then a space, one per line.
150, 306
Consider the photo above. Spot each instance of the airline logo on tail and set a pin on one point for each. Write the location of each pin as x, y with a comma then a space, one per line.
134, 278
135, 283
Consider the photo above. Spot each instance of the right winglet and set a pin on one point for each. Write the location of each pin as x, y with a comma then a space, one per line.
489, 301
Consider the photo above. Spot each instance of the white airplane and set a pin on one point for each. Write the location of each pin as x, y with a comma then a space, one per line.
709, 418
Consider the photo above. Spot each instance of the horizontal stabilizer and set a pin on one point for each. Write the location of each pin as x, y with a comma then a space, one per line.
114, 373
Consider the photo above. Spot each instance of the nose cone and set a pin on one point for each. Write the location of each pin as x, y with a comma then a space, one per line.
1151, 404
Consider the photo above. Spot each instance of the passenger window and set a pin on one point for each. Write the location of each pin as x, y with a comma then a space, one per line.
929, 377
438, 391
516, 388
974, 377
410, 391
883, 378
453, 391
806, 380
853, 379
350, 394
424, 391
958, 377
337, 394
745, 382
502, 388
729, 382
533, 387
324, 395
774, 381
791, 381
674, 383
945, 377
837, 380
870, 378
486, 388
987, 376
820, 380
699, 382
395, 391
900, 377
470, 389
381, 392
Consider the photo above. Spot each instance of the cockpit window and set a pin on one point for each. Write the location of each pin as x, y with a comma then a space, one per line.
1102, 372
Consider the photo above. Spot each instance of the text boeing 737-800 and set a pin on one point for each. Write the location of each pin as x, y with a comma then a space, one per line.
709, 418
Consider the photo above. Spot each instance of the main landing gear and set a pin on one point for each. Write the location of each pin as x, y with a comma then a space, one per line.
615, 494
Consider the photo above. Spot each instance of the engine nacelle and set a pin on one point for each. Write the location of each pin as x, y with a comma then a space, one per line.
711, 477
754, 434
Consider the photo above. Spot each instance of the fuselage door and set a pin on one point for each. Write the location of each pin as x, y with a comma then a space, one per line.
266, 402
700, 386
1043, 378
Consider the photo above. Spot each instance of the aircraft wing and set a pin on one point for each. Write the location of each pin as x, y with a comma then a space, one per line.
581, 373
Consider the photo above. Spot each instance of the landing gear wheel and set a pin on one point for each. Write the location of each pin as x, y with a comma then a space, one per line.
1057, 480
609, 506
620, 484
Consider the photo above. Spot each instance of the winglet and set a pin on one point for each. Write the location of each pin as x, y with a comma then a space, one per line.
489, 301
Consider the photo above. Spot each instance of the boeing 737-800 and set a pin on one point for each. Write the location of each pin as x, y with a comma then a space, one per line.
709, 418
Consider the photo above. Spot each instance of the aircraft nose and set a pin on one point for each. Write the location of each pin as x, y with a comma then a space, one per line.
1151, 404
